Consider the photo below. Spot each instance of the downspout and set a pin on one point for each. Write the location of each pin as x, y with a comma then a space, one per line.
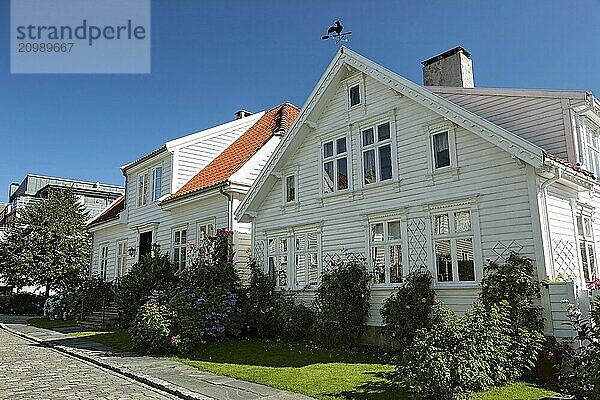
543, 189
229, 204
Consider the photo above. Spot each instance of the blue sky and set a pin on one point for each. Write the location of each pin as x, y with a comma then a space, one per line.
211, 58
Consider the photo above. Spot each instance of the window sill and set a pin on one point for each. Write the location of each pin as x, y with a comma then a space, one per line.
290, 207
447, 174
336, 196
458, 285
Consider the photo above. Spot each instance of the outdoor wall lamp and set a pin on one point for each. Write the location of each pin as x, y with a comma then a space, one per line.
131, 251
155, 247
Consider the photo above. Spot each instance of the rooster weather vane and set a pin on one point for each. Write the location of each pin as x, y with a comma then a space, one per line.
336, 32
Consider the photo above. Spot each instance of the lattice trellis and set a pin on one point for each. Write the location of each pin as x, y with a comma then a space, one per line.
259, 253
330, 260
565, 258
417, 243
502, 250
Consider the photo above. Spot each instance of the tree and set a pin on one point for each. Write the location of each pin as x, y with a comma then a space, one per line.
48, 244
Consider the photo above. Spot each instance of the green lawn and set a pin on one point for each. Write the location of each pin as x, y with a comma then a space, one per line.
320, 373
117, 339
46, 323
324, 374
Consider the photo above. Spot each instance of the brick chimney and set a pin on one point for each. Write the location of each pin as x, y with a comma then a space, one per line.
451, 68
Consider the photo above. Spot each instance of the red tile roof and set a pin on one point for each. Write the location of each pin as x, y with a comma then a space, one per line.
278, 119
112, 212
566, 163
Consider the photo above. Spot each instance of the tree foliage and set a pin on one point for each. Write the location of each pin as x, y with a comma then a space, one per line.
47, 245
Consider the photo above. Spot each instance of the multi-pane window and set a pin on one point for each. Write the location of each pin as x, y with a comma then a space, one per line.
278, 260
205, 229
377, 153
142, 189
440, 149
121, 257
386, 251
157, 183
453, 241
335, 165
180, 248
592, 140
290, 188
587, 249
354, 95
306, 265
103, 261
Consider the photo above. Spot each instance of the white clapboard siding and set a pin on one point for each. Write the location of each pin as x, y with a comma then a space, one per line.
503, 204
537, 116
108, 236
560, 291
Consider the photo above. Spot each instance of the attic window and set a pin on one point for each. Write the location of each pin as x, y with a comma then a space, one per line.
441, 150
354, 93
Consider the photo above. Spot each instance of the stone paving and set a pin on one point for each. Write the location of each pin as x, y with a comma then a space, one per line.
30, 371
167, 376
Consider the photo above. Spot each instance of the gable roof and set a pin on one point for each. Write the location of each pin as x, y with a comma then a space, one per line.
110, 213
140, 160
345, 57
219, 170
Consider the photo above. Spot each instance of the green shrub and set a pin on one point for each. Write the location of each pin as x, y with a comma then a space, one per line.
409, 308
514, 283
22, 303
210, 265
152, 272
258, 304
90, 295
460, 355
292, 320
151, 329
580, 370
342, 302
201, 316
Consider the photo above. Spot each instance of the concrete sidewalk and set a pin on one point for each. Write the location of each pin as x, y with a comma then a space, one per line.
172, 377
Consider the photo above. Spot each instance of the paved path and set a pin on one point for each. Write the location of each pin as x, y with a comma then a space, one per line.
168, 377
31, 371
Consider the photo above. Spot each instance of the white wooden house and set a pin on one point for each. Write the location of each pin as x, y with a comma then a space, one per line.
444, 177
187, 188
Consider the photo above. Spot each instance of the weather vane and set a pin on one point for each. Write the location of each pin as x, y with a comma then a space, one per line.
336, 32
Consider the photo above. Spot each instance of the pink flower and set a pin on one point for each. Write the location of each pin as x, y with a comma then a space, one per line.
423, 300
193, 246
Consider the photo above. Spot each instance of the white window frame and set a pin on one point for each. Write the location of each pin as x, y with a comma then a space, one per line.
375, 148
436, 129
156, 196
274, 259
103, 267
360, 95
350, 82
384, 219
588, 261
205, 223
334, 159
121, 258
284, 182
142, 189
592, 150
179, 250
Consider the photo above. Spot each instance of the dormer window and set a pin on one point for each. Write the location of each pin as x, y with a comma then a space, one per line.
142, 189
157, 183
354, 95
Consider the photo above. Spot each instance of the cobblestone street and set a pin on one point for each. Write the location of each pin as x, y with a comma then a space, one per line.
29, 371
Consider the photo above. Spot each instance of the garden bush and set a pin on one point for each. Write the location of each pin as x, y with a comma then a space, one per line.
152, 272
514, 283
201, 316
292, 319
460, 355
151, 329
22, 303
258, 304
342, 302
580, 369
409, 308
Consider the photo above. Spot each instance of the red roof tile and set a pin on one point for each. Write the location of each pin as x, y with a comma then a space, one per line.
278, 119
566, 163
112, 212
